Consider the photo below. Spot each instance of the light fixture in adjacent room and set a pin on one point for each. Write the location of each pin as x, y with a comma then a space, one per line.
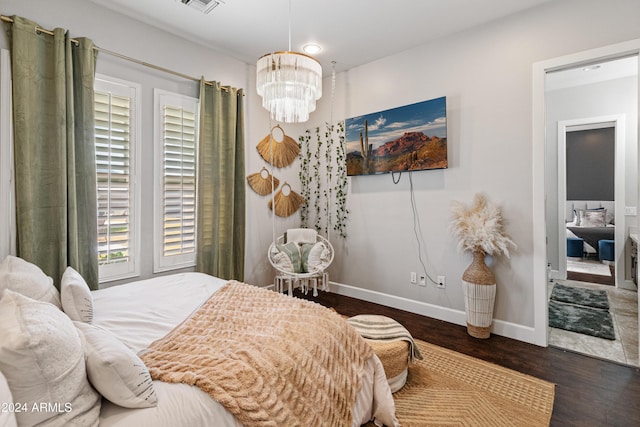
290, 83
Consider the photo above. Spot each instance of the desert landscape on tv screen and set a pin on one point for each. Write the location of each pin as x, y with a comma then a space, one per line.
408, 138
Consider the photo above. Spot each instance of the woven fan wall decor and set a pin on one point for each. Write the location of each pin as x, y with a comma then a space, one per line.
260, 182
286, 201
284, 151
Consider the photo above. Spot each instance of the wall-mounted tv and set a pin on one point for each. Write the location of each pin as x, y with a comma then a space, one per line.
409, 138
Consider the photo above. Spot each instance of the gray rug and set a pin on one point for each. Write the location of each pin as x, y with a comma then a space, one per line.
596, 322
580, 296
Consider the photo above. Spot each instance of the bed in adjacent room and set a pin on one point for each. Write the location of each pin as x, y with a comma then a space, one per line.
253, 349
590, 221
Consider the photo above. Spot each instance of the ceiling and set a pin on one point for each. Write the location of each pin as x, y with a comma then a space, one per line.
351, 32
592, 73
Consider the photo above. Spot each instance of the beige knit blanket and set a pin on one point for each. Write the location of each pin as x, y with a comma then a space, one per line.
269, 359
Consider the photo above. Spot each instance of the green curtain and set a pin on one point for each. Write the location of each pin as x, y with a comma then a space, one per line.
220, 186
54, 150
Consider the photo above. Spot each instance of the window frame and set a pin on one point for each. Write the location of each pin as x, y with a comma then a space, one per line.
162, 263
7, 183
130, 269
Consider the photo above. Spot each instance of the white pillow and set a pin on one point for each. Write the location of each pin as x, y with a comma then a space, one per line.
301, 235
42, 358
115, 370
28, 279
8, 410
75, 296
318, 258
287, 257
593, 218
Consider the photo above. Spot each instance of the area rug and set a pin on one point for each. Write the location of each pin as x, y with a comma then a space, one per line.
596, 322
580, 296
449, 388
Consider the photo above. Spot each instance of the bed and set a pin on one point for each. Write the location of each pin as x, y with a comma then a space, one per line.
140, 315
599, 224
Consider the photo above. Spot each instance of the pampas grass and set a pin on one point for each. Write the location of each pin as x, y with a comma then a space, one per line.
480, 227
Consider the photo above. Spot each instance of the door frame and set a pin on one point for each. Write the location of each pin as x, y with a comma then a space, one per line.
539, 228
564, 126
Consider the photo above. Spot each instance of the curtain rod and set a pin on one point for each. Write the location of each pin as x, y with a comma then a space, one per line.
121, 56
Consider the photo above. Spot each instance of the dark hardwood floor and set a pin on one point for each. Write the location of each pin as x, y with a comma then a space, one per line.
591, 278
589, 391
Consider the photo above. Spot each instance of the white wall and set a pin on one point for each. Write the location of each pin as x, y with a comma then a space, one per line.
486, 75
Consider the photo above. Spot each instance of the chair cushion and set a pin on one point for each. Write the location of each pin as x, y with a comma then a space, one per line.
300, 235
314, 257
287, 258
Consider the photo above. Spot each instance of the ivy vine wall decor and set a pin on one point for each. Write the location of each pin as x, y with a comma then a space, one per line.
323, 179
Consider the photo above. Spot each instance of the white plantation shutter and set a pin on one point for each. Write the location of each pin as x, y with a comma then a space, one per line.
112, 164
176, 126
179, 185
117, 203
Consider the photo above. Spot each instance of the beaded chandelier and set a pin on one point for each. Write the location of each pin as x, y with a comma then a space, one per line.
290, 83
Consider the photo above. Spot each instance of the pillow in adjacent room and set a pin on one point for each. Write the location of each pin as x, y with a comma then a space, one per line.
288, 257
75, 296
593, 218
115, 370
610, 218
7, 414
42, 358
28, 279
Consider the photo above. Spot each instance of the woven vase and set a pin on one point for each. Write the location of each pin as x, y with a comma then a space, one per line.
480, 295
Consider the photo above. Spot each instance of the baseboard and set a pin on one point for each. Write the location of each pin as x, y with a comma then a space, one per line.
499, 327
555, 274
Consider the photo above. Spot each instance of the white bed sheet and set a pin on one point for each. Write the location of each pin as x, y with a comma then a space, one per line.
140, 312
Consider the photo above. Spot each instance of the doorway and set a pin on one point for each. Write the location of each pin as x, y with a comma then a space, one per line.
589, 168
577, 106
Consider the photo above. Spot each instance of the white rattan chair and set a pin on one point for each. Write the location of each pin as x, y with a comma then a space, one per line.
317, 277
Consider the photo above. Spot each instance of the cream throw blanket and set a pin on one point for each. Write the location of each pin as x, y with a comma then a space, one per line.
270, 359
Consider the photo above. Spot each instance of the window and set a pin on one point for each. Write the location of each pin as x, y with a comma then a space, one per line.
175, 198
116, 139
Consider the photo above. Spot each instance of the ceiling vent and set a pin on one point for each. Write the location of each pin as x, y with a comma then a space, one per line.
204, 6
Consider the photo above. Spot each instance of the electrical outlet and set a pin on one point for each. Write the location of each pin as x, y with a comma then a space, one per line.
442, 283
423, 280
414, 278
